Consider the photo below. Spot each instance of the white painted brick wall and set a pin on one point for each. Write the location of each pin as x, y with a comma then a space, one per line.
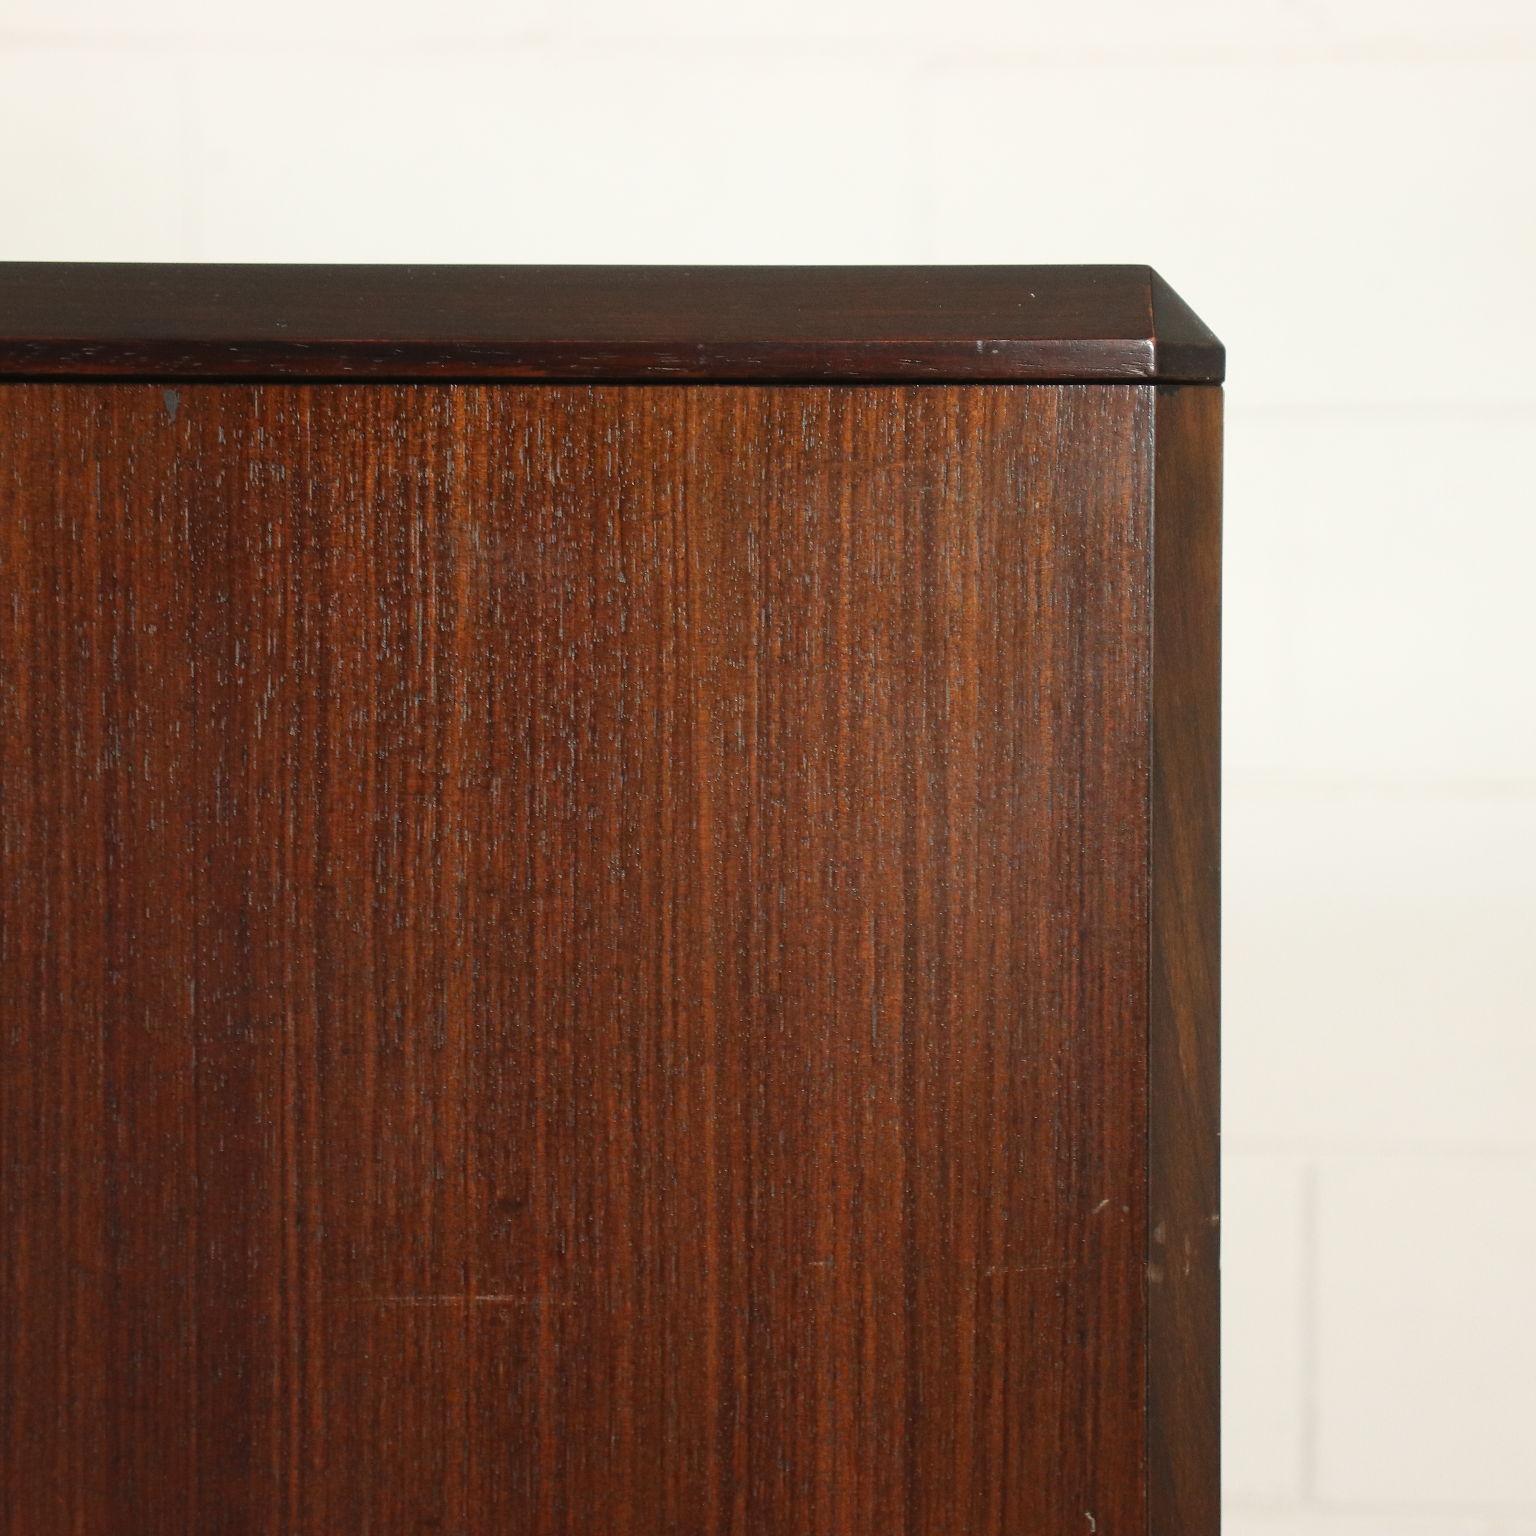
1344, 188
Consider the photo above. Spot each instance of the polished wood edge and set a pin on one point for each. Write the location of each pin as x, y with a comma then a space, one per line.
1183, 1050
1185, 348
611, 324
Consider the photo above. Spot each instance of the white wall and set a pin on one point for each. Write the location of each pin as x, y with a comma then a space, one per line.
1344, 188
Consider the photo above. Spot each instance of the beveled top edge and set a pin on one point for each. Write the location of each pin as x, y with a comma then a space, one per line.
771, 324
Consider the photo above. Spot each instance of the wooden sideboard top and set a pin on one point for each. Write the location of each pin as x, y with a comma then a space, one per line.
775, 324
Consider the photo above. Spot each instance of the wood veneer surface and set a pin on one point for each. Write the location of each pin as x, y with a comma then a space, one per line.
574, 959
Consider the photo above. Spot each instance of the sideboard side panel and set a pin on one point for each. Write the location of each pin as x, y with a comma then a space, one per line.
1183, 1261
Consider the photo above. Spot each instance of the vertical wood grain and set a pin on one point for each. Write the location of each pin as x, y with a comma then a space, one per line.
1184, 1064
575, 958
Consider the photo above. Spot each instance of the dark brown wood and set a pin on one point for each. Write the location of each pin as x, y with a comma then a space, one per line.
1187, 349
601, 323
576, 959
1183, 1314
